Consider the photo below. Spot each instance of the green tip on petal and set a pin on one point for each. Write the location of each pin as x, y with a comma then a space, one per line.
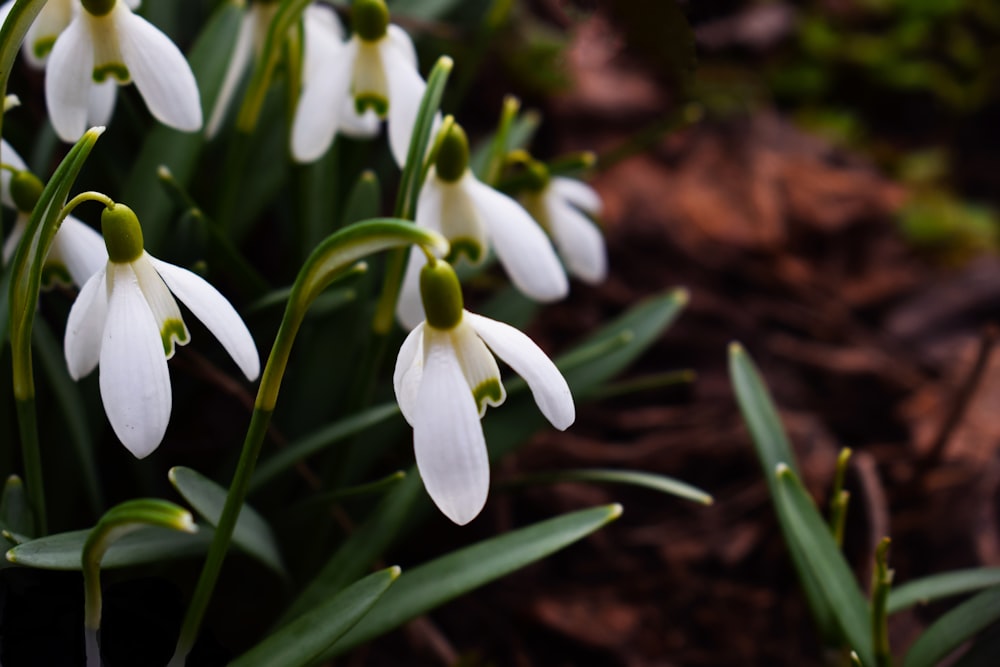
122, 233
370, 19
99, 7
25, 190
442, 295
453, 154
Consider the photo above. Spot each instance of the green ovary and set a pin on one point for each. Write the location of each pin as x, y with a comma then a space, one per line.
173, 330
488, 392
117, 70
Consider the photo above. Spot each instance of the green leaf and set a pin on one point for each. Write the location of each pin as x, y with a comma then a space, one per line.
805, 527
661, 483
430, 585
954, 629
302, 641
364, 200
63, 551
983, 652
320, 440
938, 586
252, 534
180, 151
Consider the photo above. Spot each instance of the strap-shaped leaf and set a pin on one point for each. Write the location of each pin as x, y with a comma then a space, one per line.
938, 586
954, 628
661, 483
62, 551
302, 641
430, 585
252, 534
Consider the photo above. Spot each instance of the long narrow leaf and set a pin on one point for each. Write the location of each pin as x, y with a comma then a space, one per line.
62, 551
430, 585
954, 629
938, 586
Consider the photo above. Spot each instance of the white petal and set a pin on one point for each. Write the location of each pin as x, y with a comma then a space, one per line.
160, 71
215, 312
448, 437
85, 326
520, 243
51, 21
578, 239
406, 88
409, 305
408, 372
101, 102
323, 37
68, 78
9, 157
162, 304
238, 62
547, 384
135, 382
577, 193
16, 232
401, 41
316, 116
479, 367
80, 249
363, 126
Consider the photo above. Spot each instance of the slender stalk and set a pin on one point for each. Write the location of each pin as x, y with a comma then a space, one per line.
32, 460
881, 582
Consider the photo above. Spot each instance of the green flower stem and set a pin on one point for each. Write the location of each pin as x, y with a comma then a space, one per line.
881, 582
31, 459
337, 254
115, 524
839, 497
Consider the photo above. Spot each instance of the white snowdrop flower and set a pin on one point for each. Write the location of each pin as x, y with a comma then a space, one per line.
445, 377
10, 162
376, 69
561, 205
77, 251
474, 218
104, 43
126, 319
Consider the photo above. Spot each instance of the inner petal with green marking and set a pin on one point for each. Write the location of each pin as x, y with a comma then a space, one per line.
173, 331
479, 367
116, 70
369, 86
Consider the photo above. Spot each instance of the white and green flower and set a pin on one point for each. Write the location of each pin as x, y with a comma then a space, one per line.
562, 206
376, 69
474, 218
126, 319
446, 375
77, 251
106, 42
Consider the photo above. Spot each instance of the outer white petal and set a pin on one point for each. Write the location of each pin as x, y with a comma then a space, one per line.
238, 62
577, 193
578, 239
101, 102
547, 384
448, 437
406, 88
135, 382
85, 326
16, 232
401, 40
409, 305
68, 79
409, 372
80, 248
215, 312
520, 243
159, 70
323, 34
317, 113
10, 157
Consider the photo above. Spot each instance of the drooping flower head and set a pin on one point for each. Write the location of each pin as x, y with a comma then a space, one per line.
445, 377
77, 251
106, 42
126, 319
474, 217
562, 206
376, 69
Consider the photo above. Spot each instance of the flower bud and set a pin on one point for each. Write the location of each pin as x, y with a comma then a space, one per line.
442, 295
122, 233
25, 190
370, 18
453, 155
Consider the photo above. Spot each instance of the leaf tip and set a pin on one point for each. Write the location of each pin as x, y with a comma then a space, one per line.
11, 557
782, 470
681, 296
736, 349
614, 511
394, 572
445, 63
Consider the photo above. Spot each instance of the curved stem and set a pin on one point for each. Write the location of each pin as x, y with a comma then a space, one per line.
32, 461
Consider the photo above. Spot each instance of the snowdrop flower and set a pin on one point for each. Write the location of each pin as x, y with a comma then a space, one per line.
126, 319
376, 69
445, 377
323, 37
561, 205
77, 251
474, 217
106, 42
